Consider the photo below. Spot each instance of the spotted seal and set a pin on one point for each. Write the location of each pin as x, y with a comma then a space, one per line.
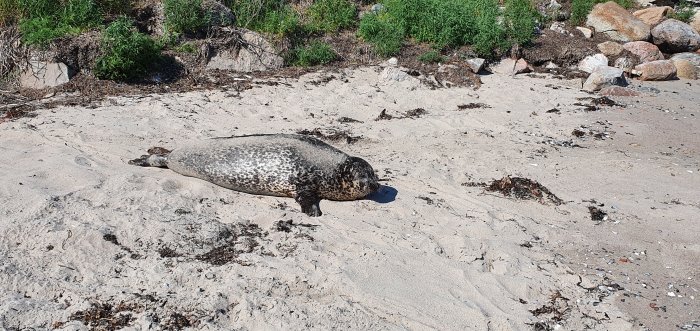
285, 165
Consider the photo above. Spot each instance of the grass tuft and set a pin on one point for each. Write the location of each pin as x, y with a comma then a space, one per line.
331, 15
184, 16
431, 57
128, 54
313, 54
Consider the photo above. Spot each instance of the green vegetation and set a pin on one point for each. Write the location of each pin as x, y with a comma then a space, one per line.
128, 54
114, 7
431, 57
45, 21
269, 16
385, 36
684, 12
184, 16
520, 17
314, 54
449, 23
9, 12
185, 48
331, 15
581, 8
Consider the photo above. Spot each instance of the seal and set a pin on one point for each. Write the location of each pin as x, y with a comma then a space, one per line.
284, 165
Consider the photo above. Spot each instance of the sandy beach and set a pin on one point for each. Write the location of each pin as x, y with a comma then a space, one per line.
91, 242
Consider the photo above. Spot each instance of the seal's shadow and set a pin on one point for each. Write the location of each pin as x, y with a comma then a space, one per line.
384, 194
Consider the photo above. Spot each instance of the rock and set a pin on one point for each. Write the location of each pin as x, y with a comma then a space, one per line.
610, 48
40, 74
376, 8
521, 67
218, 13
603, 77
652, 15
551, 65
673, 36
619, 91
395, 74
559, 27
588, 33
624, 63
505, 67
613, 20
591, 62
656, 70
476, 64
685, 69
392, 62
694, 58
646, 51
511, 67
253, 54
695, 22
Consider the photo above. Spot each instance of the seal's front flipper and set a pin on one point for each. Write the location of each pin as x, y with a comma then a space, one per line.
153, 160
309, 203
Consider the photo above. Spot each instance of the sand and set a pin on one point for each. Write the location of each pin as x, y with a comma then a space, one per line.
89, 241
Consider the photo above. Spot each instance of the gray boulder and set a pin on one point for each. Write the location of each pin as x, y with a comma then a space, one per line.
673, 36
603, 77
693, 58
253, 53
41, 74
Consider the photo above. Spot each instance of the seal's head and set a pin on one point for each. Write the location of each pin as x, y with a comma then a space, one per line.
357, 179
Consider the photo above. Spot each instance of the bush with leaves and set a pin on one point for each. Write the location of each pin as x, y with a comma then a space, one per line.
431, 57
269, 16
184, 16
9, 12
128, 54
331, 15
447, 23
45, 21
314, 54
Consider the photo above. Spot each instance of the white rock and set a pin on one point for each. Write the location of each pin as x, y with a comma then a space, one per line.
588, 33
476, 64
591, 62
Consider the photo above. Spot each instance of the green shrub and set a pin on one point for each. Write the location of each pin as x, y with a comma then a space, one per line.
270, 16
80, 14
9, 12
114, 7
385, 37
186, 48
314, 54
581, 8
684, 12
38, 8
44, 21
520, 17
184, 16
127, 53
331, 15
431, 57
446, 23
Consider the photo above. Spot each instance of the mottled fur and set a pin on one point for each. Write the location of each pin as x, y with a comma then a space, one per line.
294, 166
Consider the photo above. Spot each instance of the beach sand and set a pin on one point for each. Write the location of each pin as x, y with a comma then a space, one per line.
89, 241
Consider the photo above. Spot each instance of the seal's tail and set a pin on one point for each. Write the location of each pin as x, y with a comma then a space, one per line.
157, 157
